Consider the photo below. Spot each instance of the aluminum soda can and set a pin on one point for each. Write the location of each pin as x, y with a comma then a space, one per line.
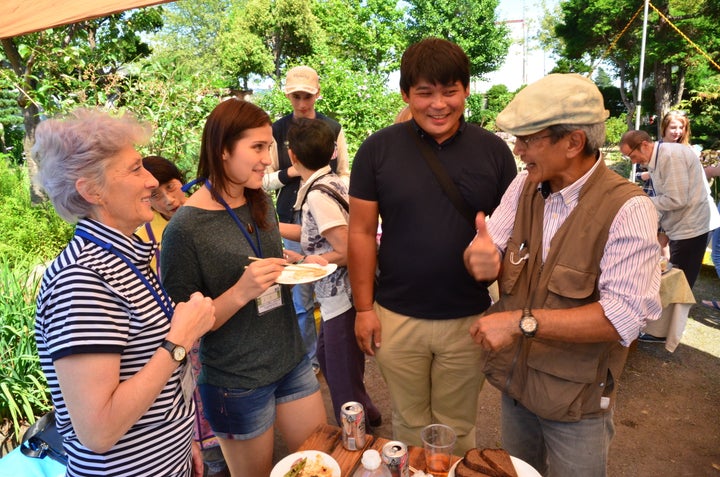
395, 455
352, 415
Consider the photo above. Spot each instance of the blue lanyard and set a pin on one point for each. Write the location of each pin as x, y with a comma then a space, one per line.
257, 249
156, 254
164, 301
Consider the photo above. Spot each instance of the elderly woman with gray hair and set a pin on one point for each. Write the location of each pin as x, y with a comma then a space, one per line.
111, 342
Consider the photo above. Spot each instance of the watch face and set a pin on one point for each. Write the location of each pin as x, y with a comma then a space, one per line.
178, 353
528, 324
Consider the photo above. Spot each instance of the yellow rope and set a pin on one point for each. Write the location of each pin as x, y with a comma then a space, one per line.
619, 35
614, 42
692, 43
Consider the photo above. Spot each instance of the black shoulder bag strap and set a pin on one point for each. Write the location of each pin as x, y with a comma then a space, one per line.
329, 191
332, 192
447, 184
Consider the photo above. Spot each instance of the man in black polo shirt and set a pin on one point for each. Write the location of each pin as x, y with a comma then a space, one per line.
302, 88
416, 322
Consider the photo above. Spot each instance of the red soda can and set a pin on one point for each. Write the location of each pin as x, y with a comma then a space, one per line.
395, 456
352, 415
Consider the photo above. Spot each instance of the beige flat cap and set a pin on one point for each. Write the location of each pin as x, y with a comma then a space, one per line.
555, 99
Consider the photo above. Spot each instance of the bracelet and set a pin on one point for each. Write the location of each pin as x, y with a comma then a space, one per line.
363, 311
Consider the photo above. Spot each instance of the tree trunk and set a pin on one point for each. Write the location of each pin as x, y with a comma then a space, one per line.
663, 91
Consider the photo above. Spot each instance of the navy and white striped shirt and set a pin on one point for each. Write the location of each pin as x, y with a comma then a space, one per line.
90, 301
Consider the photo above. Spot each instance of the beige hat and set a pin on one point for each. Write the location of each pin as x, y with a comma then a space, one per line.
302, 78
554, 99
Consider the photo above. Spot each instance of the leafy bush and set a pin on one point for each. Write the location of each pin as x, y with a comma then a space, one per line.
26, 231
615, 127
360, 102
23, 389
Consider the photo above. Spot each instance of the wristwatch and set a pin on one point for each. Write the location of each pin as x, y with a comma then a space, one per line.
528, 323
177, 352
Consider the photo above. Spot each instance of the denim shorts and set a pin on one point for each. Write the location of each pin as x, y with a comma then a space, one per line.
241, 414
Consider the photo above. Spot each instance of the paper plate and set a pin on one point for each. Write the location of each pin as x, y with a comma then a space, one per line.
284, 466
522, 468
305, 273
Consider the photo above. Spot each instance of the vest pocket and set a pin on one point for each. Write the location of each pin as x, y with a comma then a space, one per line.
562, 380
570, 282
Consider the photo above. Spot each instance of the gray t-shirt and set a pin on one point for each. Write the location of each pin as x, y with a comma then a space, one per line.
205, 251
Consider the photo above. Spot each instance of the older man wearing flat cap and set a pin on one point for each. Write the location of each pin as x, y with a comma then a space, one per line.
573, 247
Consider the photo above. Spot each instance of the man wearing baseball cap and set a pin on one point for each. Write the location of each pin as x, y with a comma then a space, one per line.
573, 246
302, 88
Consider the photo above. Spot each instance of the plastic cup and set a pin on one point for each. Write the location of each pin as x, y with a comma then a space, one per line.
438, 443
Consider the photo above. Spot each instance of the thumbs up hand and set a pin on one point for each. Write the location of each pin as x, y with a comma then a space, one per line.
481, 257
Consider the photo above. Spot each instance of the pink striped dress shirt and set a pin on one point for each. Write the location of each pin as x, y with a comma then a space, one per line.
629, 269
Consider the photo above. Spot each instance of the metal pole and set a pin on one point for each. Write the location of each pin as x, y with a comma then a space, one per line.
638, 105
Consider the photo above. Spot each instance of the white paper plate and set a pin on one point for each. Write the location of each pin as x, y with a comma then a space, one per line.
522, 468
284, 466
294, 275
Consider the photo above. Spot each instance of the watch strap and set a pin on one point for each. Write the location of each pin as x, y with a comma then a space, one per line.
170, 347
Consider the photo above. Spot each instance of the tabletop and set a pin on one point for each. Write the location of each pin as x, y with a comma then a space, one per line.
327, 438
674, 288
677, 299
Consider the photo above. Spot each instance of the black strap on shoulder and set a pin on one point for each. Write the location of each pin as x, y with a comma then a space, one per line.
331, 192
447, 184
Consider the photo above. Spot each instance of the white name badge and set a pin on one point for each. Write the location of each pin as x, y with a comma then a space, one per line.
269, 300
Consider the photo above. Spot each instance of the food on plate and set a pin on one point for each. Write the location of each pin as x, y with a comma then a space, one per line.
296, 468
309, 467
305, 273
486, 463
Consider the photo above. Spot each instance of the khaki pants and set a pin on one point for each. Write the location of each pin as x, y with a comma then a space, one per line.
432, 369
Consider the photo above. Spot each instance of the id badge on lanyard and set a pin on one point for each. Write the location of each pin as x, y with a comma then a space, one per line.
271, 298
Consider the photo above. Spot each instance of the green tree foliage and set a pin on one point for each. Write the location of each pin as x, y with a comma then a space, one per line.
11, 132
288, 29
588, 28
27, 232
361, 103
485, 108
472, 25
176, 101
242, 53
370, 34
76, 65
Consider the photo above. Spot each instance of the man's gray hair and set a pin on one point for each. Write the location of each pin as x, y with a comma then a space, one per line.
81, 145
594, 134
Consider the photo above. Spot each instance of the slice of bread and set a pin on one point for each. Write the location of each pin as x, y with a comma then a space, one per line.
475, 461
462, 470
486, 463
500, 461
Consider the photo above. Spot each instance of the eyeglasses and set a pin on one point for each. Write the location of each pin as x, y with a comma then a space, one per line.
627, 157
528, 140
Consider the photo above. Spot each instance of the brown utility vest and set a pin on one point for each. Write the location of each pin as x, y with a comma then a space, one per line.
561, 381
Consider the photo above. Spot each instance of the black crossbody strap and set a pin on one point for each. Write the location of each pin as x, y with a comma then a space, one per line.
329, 191
447, 184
